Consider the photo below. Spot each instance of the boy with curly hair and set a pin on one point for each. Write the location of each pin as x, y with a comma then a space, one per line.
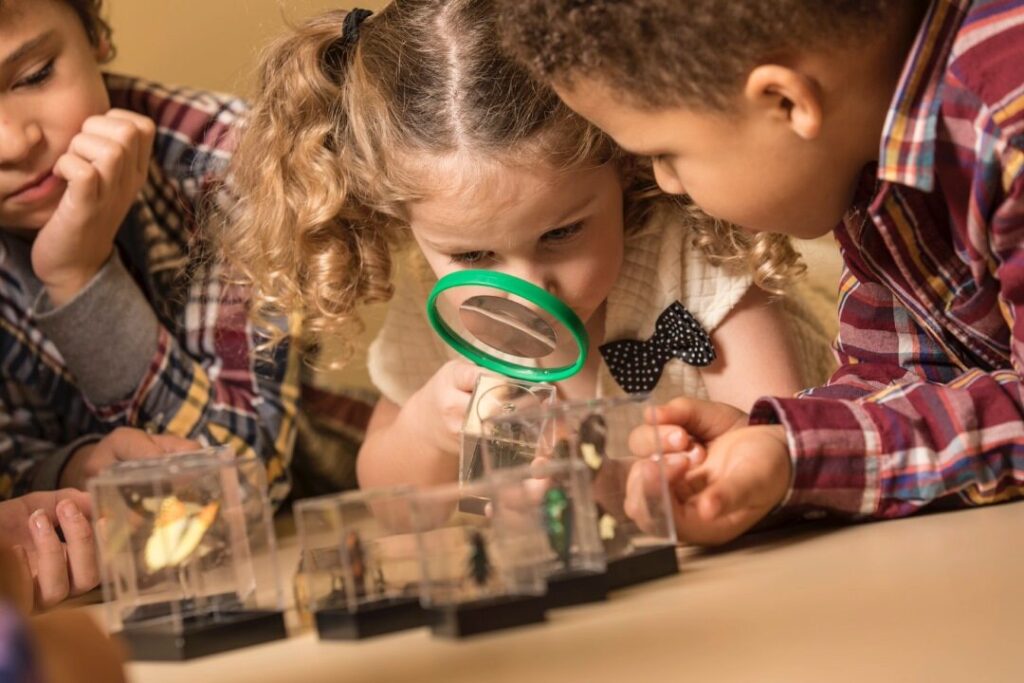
902, 121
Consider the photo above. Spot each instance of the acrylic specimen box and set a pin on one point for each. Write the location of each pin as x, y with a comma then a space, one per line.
480, 572
360, 566
187, 554
494, 396
596, 433
561, 494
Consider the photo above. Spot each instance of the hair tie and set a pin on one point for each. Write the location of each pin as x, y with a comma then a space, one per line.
350, 27
336, 55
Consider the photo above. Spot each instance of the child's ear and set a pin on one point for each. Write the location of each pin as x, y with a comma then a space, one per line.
104, 51
787, 95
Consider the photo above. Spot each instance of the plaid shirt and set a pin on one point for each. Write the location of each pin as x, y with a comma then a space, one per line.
201, 381
927, 407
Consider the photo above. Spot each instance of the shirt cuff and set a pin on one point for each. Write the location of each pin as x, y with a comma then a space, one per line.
107, 333
834, 448
46, 476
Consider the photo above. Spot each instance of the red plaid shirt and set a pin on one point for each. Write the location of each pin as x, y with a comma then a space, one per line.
926, 408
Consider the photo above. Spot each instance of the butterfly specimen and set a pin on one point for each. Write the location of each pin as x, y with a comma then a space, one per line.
479, 563
612, 535
592, 442
177, 532
558, 521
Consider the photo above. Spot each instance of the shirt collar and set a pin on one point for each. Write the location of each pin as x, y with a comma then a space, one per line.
907, 154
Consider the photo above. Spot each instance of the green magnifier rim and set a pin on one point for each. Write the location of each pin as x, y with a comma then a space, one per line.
523, 289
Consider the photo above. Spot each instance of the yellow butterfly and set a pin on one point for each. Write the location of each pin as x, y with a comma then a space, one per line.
177, 532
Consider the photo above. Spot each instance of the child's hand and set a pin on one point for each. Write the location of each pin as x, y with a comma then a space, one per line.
105, 166
39, 571
121, 444
745, 474
439, 408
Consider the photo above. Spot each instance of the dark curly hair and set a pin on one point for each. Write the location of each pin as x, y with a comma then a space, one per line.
672, 52
90, 12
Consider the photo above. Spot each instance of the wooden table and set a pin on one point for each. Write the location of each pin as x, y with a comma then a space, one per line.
934, 598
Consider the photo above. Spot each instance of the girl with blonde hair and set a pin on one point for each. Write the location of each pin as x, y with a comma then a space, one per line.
386, 151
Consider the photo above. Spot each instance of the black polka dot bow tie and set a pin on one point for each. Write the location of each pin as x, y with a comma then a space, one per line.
637, 365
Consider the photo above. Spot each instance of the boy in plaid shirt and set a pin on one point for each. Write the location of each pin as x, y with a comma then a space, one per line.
901, 120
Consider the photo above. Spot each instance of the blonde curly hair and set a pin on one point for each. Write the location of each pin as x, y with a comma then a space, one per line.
322, 174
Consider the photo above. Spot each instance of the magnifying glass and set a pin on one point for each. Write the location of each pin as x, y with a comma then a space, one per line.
515, 329
508, 325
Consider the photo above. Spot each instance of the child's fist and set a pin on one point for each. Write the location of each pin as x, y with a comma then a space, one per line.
105, 167
439, 407
732, 476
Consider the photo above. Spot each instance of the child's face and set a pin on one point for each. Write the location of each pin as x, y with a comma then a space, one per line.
747, 168
562, 231
50, 83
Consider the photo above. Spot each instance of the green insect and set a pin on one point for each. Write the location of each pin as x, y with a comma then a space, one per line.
479, 563
558, 521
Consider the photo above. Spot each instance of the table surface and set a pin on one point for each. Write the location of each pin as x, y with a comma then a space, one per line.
933, 598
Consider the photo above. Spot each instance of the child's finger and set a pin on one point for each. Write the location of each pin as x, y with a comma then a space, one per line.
172, 443
464, 376
648, 440
638, 482
81, 499
83, 570
51, 562
143, 141
107, 155
704, 420
82, 177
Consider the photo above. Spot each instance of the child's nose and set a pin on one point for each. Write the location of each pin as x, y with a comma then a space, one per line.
667, 178
17, 140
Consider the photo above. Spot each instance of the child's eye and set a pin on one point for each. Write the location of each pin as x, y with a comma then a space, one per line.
36, 77
469, 258
563, 233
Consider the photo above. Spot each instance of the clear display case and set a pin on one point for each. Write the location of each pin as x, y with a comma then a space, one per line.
187, 554
359, 569
481, 572
630, 493
494, 396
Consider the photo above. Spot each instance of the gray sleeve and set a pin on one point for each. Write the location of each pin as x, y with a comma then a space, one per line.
46, 475
107, 334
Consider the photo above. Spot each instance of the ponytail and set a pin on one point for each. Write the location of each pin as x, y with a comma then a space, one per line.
297, 231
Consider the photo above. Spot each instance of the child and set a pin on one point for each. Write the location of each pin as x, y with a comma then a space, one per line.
780, 133
410, 128
111, 316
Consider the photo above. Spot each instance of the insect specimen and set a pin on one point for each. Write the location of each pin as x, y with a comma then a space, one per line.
177, 532
558, 522
356, 561
592, 441
479, 563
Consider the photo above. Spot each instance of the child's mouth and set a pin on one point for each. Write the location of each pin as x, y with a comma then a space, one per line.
36, 191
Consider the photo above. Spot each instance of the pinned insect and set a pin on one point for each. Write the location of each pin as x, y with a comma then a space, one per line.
356, 561
592, 442
557, 511
177, 532
480, 568
612, 537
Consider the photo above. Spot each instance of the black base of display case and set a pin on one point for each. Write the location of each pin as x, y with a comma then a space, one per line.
373, 619
642, 565
484, 616
576, 588
203, 635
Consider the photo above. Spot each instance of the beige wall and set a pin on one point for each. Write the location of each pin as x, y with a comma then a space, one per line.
210, 44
